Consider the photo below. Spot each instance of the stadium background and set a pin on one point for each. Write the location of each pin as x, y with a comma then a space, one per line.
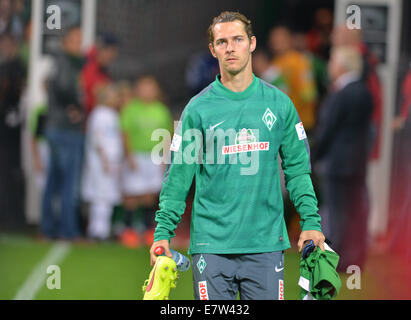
154, 39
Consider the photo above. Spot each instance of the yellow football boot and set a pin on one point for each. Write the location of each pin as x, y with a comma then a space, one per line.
162, 278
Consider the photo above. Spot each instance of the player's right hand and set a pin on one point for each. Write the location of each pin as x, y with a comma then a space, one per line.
161, 243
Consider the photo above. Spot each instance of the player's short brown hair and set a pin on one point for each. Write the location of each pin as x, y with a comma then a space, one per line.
229, 16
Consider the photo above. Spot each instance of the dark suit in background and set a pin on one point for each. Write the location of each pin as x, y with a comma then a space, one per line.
341, 151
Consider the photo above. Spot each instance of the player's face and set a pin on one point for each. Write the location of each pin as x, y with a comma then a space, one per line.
232, 47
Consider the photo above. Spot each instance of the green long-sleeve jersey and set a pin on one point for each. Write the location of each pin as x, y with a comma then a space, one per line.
230, 142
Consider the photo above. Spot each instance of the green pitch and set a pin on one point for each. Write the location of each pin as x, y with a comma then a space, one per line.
111, 271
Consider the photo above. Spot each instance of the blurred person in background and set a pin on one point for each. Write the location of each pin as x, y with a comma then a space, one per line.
12, 83
103, 158
141, 177
268, 72
318, 38
64, 133
342, 36
340, 154
298, 73
14, 16
15, 20
95, 71
200, 71
319, 64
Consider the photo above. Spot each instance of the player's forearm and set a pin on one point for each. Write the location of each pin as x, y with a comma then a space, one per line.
176, 185
171, 208
305, 201
167, 221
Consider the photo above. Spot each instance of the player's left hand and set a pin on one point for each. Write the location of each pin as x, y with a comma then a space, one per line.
317, 237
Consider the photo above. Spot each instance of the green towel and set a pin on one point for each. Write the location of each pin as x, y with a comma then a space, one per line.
319, 279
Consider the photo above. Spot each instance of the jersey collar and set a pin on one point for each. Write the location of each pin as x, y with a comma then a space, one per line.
236, 95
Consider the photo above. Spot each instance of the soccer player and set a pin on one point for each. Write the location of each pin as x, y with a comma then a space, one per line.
228, 138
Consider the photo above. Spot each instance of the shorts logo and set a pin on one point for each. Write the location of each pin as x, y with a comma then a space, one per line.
201, 264
246, 141
280, 267
269, 118
202, 290
280, 289
300, 131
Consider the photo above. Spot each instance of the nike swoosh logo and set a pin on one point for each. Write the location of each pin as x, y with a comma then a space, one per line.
212, 127
278, 269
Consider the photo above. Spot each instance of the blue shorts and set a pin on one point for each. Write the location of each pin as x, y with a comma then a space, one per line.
257, 276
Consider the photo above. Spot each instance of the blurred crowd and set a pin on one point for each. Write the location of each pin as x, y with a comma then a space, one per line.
91, 141
96, 133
